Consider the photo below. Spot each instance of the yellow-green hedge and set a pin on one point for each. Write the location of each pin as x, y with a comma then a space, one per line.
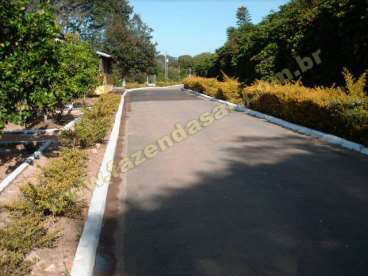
228, 90
340, 111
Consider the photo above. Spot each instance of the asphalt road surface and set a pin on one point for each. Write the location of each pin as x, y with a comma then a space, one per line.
241, 197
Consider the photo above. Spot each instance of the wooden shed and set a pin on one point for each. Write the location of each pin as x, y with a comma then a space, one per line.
106, 62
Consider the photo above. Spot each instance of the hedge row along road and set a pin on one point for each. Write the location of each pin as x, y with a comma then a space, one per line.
241, 197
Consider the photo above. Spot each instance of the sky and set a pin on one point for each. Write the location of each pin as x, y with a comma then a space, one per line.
195, 26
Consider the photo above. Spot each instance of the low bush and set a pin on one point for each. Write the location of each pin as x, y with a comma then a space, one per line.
91, 131
94, 124
24, 233
55, 193
13, 263
18, 238
57, 188
131, 85
228, 90
332, 110
167, 83
340, 111
202, 85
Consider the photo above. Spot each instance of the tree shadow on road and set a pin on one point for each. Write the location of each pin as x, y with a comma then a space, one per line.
283, 206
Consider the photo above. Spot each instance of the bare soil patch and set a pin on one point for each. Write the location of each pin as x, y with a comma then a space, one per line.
58, 260
50, 123
14, 154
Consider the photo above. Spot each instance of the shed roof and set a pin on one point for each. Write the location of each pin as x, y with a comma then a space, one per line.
103, 54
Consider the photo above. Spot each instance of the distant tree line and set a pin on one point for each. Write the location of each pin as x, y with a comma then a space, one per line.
183, 66
338, 28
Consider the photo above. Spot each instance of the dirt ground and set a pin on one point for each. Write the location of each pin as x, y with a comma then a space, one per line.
12, 155
50, 123
58, 260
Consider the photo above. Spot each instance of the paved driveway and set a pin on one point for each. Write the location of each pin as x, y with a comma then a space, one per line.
241, 197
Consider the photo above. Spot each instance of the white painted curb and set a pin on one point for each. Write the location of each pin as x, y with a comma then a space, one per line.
328, 138
155, 87
71, 124
33, 131
11, 177
84, 260
36, 155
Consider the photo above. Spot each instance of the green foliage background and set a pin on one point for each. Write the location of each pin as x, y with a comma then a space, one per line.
258, 51
39, 72
47, 54
336, 27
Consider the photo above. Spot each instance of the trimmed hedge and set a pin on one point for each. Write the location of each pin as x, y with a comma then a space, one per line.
94, 124
229, 89
340, 111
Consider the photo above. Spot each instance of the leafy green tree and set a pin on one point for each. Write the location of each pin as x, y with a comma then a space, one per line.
77, 73
186, 65
299, 28
185, 61
203, 63
27, 58
39, 73
112, 26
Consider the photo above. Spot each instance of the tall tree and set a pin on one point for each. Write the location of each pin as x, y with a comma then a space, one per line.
243, 16
111, 25
299, 28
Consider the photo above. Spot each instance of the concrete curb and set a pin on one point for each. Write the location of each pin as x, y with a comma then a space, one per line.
36, 155
84, 259
33, 131
28, 161
155, 87
325, 137
43, 131
23, 142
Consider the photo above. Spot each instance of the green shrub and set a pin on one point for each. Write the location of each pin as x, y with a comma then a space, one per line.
13, 263
202, 85
77, 73
54, 194
230, 90
25, 233
131, 85
167, 83
57, 188
68, 138
28, 59
340, 111
332, 110
355, 87
94, 124
18, 238
38, 73
92, 131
